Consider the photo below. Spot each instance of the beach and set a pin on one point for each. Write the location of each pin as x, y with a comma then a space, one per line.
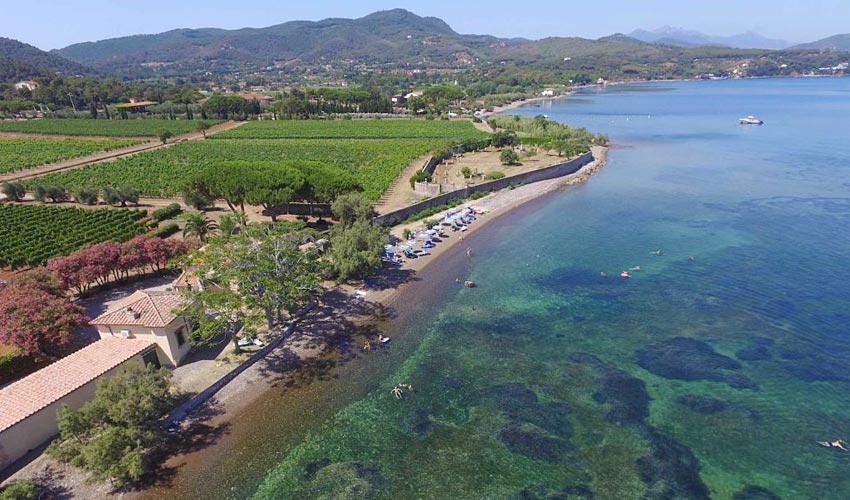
345, 314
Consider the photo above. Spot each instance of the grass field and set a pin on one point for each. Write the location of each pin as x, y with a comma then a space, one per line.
355, 129
18, 154
109, 128
31, 234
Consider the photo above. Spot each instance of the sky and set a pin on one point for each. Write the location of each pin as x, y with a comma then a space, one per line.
51, 24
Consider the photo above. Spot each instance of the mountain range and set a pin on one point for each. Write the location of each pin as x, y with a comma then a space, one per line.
394, 39
686, 38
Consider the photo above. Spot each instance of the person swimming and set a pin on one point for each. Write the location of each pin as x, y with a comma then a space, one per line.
838, 443
636, 268
692, 258
625, 274
657, 252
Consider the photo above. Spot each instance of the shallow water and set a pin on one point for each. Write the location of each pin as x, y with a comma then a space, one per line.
710, 378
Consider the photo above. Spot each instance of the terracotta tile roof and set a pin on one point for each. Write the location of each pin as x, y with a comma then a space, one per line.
148, 309
38, 390
187, 279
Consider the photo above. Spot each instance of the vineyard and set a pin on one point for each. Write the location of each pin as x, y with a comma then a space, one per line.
18, 154
162, 173
108, 128
31, 234
457, 131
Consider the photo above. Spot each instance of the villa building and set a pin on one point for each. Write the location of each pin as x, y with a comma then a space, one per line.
150, 316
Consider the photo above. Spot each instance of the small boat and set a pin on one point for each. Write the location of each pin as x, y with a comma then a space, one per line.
469, 284
750, 120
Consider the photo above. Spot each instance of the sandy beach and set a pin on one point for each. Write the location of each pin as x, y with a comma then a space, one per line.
518, 104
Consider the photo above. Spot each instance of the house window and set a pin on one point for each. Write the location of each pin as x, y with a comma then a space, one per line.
181, 337
151, 359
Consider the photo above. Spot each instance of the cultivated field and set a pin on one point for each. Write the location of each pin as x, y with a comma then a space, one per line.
18, 154
163, 173
31, 234
457, 131
108, 128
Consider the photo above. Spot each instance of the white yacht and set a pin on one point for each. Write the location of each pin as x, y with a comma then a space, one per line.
751, 120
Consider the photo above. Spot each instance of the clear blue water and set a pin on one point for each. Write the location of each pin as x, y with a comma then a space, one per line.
704, 378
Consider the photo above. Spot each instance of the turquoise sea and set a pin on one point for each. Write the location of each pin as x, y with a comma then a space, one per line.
711, 377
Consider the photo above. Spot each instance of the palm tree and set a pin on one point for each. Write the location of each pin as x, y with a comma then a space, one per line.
199, 226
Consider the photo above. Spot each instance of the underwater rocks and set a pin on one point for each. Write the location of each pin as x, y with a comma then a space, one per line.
625, 395
703, 405
535, 429
683, 358
709, 406
532, 443
671, 470
541, 492
345, 480
758, 351
756, 493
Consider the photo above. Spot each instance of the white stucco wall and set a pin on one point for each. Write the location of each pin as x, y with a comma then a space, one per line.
39, 427
165, 338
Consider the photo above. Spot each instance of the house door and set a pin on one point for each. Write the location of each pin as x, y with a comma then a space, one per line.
151, 359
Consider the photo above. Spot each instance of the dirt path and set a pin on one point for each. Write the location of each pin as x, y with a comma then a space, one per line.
111, 155
400, 194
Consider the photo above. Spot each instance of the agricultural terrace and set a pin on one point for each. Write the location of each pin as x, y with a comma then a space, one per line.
108, 128
31, 234
374, 163
18, 154
457, 131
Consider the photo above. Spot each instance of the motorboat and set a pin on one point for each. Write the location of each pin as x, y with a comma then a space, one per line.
750, 120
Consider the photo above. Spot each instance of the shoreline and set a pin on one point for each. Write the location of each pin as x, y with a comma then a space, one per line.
366, 312
345, 311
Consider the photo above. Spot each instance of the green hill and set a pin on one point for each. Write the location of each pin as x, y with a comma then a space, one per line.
20, 61
837, 42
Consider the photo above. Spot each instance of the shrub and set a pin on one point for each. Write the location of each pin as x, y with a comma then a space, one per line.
494, 175
166, 212
503, 138
120, 196
11, 365
15, 191
54, 194
166, 230
466, 172
20, 490
509, 157
86, 197
420, 176
478, 195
